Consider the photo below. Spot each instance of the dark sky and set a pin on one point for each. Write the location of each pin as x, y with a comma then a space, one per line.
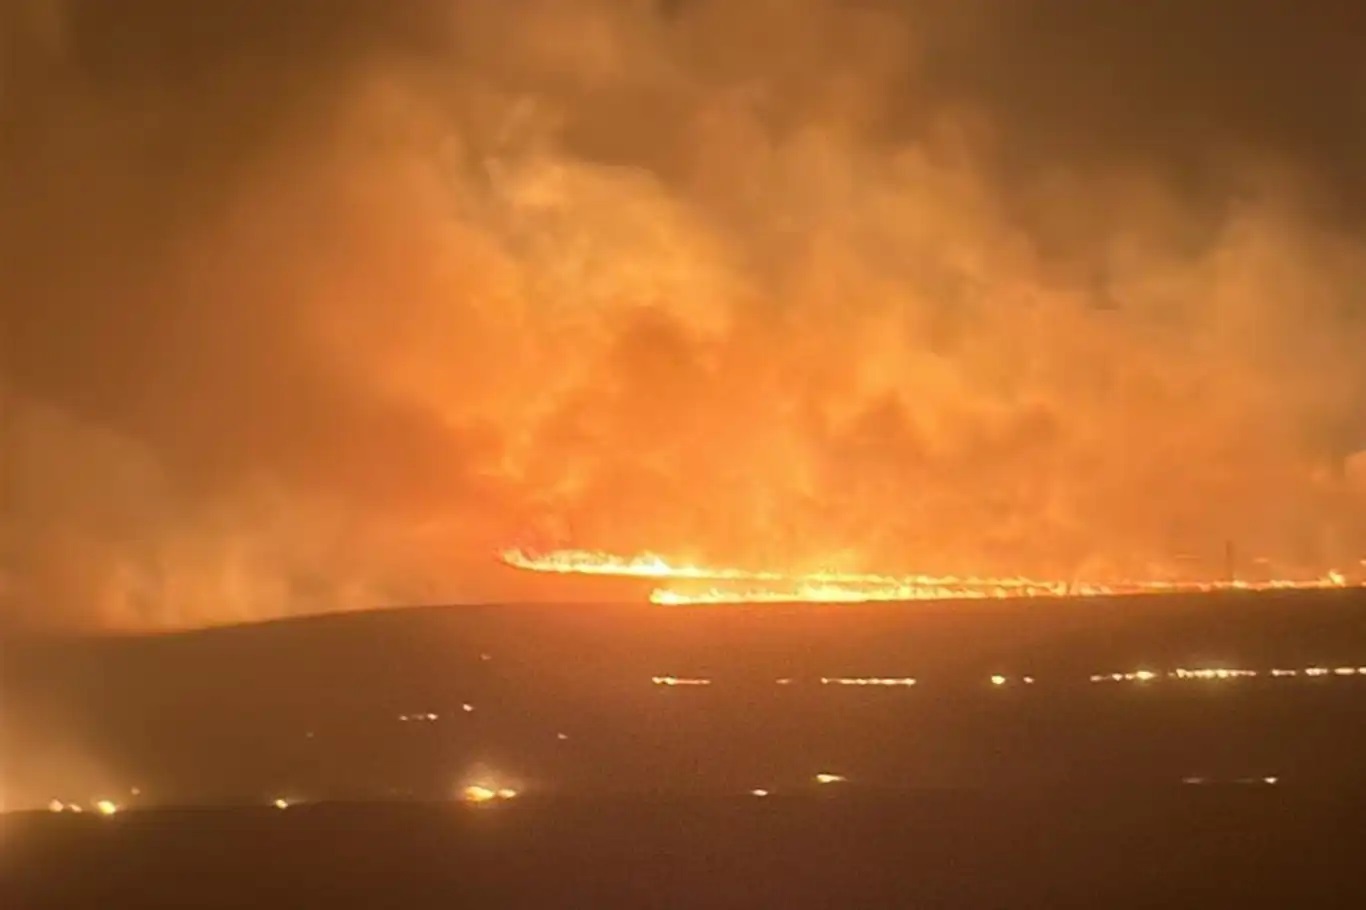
313, 304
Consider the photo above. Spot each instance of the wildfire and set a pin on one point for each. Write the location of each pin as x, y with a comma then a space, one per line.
723, 585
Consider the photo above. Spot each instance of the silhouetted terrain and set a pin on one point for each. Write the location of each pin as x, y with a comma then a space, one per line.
1140, 849
1043, 787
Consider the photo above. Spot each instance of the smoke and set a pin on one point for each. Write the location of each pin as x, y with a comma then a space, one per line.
314, 305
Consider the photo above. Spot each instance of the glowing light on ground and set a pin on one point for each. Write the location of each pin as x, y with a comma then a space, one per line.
479, 794
725, 585
281, 803
825, 777
106, 807
906, 681
1226, 673
758, 791
474, 793
679, 681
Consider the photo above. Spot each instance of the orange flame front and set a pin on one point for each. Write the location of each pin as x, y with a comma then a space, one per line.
679, 583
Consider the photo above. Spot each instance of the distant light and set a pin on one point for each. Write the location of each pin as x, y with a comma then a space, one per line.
308, 735
486, 657
758, 791
827, 778
785, 681
998, 680
281, 803
1211, 673
680, 681
56, 806
467, 707
1029, 680
431, 717
106, 807
1192, 780
562, 736
477, 794
1270, 780
136, 791
74, 807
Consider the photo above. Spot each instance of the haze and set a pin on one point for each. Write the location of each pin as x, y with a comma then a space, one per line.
317, 305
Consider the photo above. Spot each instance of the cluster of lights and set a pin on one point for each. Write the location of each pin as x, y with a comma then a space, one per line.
1211, 673
1224, 673
997, 679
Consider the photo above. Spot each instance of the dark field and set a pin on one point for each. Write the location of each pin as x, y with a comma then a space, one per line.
1147, 849
960, 791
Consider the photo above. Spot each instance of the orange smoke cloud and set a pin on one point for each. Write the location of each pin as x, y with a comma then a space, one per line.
739, 284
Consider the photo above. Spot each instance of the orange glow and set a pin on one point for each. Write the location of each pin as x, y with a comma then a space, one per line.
479, 794
679, 681
475, 793
728, 585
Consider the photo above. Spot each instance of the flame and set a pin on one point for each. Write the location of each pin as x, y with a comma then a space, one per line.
479, 794
727, 585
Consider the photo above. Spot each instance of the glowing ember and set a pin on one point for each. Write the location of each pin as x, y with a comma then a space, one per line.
479, 794
679, 681
866, 681
723, 585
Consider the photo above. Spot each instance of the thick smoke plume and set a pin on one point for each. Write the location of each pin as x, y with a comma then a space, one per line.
312, 305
